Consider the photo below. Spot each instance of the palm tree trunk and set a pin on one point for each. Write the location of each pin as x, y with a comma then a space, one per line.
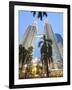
47, 68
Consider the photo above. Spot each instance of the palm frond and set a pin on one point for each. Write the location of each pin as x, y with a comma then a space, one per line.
50, 41
39, 15
44, 14
40, 43
34, 13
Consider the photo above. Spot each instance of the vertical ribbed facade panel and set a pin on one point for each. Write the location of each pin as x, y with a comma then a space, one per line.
29, 36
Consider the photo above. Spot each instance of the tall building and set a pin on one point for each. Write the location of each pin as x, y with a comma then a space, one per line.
29, 39
56, 55
29, 36
59, 43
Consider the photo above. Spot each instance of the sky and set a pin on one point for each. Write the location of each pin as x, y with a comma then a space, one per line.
26, 18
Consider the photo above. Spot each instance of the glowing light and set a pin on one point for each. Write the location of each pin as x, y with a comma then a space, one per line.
34, 70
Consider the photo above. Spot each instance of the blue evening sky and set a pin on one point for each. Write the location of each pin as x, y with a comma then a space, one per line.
26, 18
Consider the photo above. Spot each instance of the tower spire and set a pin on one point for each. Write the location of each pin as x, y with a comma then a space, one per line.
34, 23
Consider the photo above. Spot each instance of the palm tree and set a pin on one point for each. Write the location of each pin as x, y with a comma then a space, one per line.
28, 57
39, 14
22, 54
46, 52
25, 55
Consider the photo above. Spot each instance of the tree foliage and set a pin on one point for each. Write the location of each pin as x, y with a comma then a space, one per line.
25, 55
46, 51
39, 14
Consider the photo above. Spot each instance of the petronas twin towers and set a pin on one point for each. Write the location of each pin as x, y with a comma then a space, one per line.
29, 40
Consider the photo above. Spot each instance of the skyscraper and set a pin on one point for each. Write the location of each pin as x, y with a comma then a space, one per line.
56, 55
29, 40
29, 36
59, 43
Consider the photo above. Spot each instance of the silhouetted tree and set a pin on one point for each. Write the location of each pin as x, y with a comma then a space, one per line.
22, 54
39, 14
25, 55
28, 58
46, 52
